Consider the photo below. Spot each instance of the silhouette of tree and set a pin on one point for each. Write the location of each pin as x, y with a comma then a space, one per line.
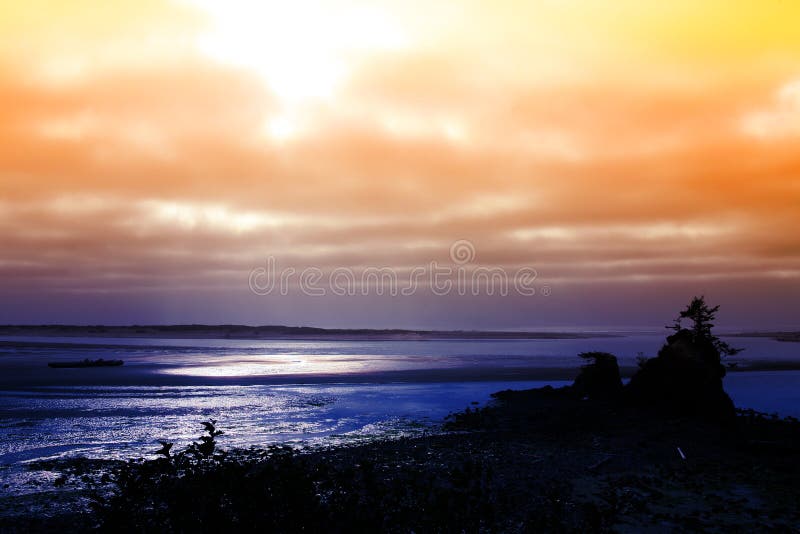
702, 316
208, 443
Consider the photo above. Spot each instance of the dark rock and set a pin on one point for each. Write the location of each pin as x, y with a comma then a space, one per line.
684, 379
599, 379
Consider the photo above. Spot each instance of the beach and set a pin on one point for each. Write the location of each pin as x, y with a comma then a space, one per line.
537, 459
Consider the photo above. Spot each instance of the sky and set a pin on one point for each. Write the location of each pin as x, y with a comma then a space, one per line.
154, 155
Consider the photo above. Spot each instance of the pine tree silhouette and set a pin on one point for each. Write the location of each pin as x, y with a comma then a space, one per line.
702, 316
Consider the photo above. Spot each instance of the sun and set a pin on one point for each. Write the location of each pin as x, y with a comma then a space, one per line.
303, 50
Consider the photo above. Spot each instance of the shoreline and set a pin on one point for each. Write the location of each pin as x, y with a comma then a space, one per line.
14, 379
786, 337
539, 459
146, 375
266, 333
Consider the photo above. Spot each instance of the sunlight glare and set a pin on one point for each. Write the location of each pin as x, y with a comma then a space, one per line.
303, 50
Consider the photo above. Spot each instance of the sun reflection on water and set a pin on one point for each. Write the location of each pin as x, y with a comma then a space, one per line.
276, 365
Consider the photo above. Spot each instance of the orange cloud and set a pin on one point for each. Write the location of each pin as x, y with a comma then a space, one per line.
137, 152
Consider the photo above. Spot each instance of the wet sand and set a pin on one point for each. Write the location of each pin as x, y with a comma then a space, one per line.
154, 375
21, 374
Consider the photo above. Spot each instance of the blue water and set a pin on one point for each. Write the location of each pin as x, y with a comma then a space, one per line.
106, 418
249, 358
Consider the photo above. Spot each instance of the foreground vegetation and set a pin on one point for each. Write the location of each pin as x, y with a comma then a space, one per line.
539, 460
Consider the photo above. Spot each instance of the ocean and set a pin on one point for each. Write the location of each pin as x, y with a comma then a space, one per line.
298, 392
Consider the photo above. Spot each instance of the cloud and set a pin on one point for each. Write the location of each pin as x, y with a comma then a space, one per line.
781, 119
612, 160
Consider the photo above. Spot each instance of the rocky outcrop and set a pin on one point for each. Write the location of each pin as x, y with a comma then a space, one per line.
684, 379
599, 379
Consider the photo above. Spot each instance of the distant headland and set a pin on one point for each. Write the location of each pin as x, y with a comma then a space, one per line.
233, 331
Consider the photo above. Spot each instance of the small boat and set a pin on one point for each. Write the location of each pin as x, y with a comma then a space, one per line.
86, 363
